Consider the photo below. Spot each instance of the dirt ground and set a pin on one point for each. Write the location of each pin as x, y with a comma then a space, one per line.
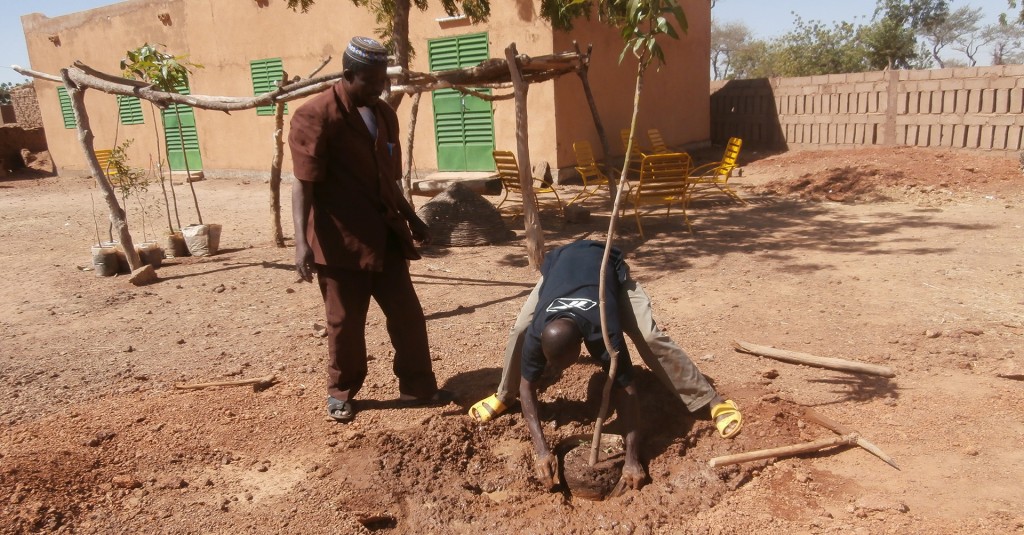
907, 258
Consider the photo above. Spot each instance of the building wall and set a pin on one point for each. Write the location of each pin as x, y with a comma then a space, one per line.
973, 108
225, 36
674, 97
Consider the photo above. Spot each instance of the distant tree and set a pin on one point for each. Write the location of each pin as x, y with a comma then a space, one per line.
727, 40
757, 59
914, 14
5, 92
890, 38
970, 44
1019, 19
814, 48
810, 48
1007, 41
964, 21
393, 19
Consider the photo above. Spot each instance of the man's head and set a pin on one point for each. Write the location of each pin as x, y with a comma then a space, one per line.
560, 340
365, 65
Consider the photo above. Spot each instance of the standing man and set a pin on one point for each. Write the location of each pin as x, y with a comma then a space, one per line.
355, 229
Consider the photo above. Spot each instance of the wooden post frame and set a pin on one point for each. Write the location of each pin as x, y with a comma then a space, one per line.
85, 139
531, 219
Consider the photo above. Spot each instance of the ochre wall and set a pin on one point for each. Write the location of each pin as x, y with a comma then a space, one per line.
674, 98
225, 36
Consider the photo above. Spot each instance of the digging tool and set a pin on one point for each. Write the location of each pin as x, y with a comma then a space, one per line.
812, 415
258, 383
784, 451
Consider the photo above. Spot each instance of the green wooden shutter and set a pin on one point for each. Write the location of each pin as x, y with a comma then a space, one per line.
176, 152
65, 107
130, 110
266, 73
463, 125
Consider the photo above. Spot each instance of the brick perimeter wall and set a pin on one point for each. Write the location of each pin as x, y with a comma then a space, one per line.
973, 108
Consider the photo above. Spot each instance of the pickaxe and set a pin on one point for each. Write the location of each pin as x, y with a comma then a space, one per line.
849, 437
812, 415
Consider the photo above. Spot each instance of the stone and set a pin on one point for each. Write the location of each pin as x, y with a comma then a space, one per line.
144, 275
542, 171
576, 214
125, 482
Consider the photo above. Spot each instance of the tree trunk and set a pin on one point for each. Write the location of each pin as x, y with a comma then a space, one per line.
531, 219
407, 177
85, 139
400, 36
275, 171
603, 306
583, 72
188, 172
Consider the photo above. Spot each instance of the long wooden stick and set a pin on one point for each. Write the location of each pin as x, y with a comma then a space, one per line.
813, 360
820, 419
531, 217
784, 451
256, 382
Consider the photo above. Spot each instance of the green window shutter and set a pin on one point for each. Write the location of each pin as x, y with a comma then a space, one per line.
130, 110
266, 73
178, 152
463, 125
65, 107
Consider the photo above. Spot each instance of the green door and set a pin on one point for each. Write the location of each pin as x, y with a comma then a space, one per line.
463, 125
176, 151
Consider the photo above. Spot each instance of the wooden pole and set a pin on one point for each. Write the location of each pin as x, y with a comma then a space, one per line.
583, 72
784, 451
794, 357
531, 220
188, 170
275, 163
822, 420
85, 140
407, 176
275, 170
257, 382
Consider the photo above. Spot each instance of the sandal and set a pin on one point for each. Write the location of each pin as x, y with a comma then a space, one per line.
440, 398
340, 411
727, 414
487, 409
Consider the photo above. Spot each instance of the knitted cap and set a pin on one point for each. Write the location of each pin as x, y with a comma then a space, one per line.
367, 51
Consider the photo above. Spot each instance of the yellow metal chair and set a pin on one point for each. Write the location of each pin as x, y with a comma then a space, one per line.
635, 157
508, 172
592, 176
658, 145
103, 156
716, 174
663, 182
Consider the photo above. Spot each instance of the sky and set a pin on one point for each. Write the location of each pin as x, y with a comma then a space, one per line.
765, 18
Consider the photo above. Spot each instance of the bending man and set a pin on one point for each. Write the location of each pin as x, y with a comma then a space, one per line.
664, 357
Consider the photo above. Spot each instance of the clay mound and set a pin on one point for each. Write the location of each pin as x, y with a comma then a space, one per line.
461, 217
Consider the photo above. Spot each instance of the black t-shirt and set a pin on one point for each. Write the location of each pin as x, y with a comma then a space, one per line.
570, 290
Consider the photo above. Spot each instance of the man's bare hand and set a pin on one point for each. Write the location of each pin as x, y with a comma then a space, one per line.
304, 261
546, 470
633, 476
420, 231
